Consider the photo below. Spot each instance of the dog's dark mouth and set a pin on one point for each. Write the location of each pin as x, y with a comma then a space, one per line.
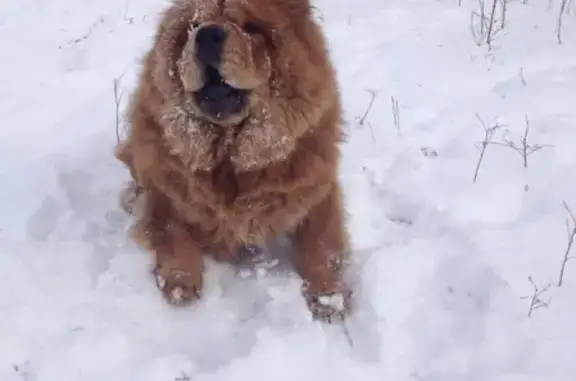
217, 99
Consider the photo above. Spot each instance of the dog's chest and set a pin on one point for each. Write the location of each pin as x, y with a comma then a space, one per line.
244, 207
227, 184
246, 196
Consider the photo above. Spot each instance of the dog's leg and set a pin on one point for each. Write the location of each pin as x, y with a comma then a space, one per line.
321, 249
179, 266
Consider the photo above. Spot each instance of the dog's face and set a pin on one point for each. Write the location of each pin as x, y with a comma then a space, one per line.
227, 56
231, 50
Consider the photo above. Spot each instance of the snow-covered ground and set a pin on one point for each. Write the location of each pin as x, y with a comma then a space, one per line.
443, 263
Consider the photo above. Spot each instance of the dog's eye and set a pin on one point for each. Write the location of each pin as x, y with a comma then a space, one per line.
252, 28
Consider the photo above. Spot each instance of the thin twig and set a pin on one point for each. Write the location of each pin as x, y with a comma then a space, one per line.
478, 35
371, 131
525, 145
522, 79
372, 98
563, 5
485, 27
396, 114
491, 31
504, 4
488, 134
535, 300
571, 230
347, 334
117, 100
523, 149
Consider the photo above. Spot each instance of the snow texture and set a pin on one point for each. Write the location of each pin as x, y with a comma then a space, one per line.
442, 263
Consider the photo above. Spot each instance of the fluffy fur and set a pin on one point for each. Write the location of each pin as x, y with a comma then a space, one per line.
211, 183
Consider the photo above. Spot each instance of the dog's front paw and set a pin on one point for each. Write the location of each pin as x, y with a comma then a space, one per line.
179, 287
329, 307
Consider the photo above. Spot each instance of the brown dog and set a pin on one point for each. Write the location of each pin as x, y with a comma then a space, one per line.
233, 140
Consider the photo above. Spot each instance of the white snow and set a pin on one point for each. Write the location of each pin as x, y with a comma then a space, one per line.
335, 301
442, 262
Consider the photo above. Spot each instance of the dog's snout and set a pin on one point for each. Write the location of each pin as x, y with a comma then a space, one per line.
209, 42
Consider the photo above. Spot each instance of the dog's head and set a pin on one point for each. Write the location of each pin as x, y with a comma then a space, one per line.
221, 55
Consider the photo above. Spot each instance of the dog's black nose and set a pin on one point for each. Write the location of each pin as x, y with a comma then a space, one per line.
209, 43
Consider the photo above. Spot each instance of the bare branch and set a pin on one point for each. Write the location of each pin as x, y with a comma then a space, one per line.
563, 6
478, 24
572, 217
504, 9
535, 299
485, 27
371, 131
372, 98
488, 134
128, 19
571, 232
396, 113
522, 79
525, 145
117, 101
523, 148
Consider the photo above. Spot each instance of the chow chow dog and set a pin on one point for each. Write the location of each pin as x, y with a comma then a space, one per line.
233, 140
